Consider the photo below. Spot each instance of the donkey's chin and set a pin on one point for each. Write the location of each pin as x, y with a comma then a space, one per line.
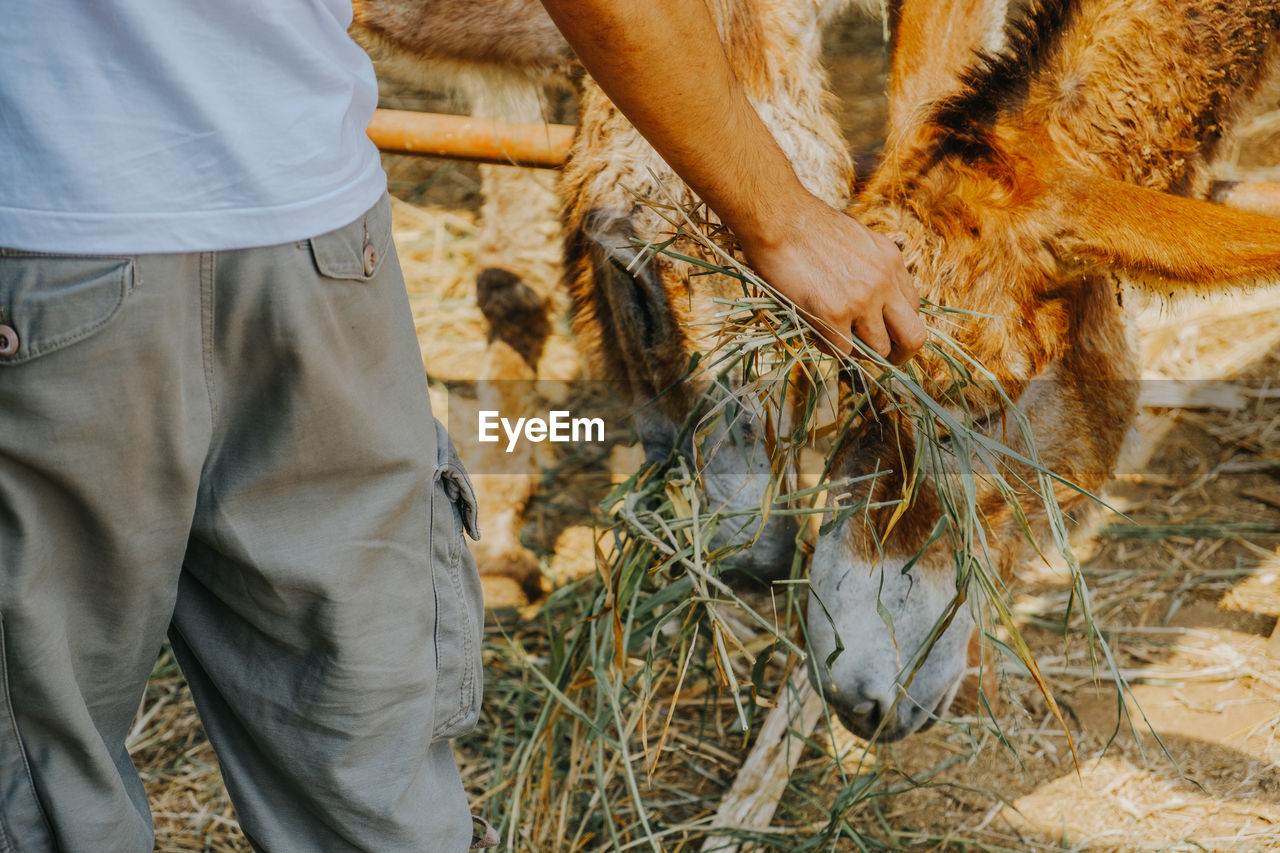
769, 549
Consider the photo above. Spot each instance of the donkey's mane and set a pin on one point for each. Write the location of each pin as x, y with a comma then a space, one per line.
998, 83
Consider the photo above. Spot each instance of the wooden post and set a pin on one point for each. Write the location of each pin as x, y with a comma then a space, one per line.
762, 779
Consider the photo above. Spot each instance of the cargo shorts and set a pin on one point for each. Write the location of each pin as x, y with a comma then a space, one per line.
236, 449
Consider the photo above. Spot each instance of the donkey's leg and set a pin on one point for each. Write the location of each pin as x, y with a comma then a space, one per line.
518, 254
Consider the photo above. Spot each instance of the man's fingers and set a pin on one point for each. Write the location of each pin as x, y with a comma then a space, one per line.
871, 329
906, 329
830, 339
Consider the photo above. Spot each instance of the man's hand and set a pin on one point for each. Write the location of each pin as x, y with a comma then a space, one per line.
842, 276
662, 63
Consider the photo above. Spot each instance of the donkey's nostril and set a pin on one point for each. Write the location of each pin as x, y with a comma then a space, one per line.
874, 717
865, 712
863, 718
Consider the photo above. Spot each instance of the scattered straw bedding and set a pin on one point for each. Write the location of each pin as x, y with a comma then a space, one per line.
1190, 592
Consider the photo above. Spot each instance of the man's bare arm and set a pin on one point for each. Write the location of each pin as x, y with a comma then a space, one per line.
662, 63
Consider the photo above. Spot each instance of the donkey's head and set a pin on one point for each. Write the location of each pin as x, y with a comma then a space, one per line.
1017, 190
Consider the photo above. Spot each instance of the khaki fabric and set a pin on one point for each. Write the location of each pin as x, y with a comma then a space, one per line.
236, 448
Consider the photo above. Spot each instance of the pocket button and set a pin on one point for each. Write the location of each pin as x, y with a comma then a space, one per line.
370, 259
8, 340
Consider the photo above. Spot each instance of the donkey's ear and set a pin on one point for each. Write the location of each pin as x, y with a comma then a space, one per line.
932, 44
1171, 243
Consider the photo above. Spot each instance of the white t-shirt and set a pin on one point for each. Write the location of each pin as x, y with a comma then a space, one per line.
134, 126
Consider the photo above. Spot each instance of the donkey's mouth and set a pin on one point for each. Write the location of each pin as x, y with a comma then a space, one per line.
936, 715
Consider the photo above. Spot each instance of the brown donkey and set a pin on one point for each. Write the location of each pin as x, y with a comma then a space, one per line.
1019, 186
643, 317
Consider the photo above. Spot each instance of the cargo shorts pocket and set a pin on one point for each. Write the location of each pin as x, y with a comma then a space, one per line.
459, 606
356, 251
48, 302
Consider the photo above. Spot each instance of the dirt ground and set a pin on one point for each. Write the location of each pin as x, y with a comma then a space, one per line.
1187, 584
